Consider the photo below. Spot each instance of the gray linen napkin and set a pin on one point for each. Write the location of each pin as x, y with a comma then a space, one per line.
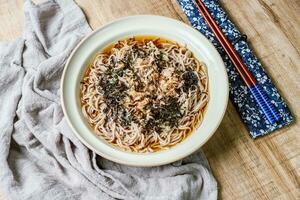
40, 158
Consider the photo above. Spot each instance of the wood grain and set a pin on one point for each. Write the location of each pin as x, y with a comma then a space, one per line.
265, 168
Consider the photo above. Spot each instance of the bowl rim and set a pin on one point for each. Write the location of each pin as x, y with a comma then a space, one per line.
161, 162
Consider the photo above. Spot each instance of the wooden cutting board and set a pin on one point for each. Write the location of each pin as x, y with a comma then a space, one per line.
265, 168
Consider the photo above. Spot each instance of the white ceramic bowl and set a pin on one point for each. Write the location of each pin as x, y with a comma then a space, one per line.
145, 25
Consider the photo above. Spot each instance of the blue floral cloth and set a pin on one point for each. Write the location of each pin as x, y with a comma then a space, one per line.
244, 102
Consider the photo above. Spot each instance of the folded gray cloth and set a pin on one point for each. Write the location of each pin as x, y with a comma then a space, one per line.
40, 158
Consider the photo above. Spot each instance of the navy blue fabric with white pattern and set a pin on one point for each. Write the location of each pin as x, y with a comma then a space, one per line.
240, 95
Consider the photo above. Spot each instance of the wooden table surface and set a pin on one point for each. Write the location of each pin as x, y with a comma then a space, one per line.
265, 168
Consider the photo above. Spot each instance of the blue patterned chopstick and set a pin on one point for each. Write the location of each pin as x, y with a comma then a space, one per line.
267, 107
261, 98
251, 114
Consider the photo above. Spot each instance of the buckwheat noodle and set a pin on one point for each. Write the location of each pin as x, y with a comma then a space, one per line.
144, 95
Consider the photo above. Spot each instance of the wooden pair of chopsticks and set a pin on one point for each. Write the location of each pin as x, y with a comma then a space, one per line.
263, 101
